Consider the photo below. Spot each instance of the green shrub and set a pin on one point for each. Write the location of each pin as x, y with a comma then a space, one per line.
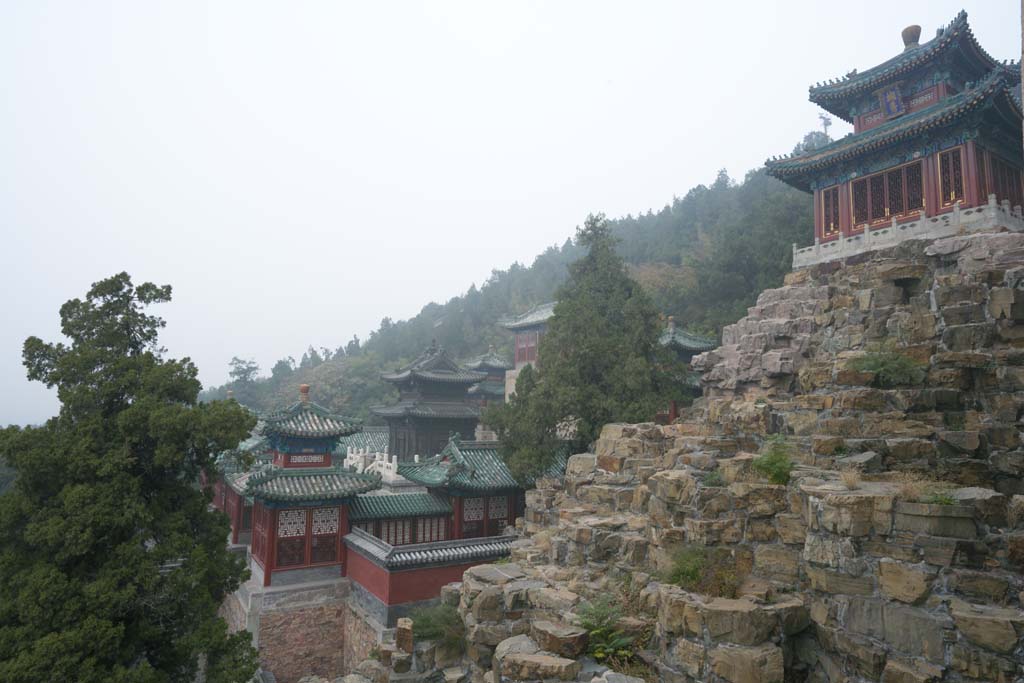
774, 462
714, 478
939, 498
890, 368
606, 642
694, 569
441, 624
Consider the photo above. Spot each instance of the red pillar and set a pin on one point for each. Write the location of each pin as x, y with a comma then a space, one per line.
930, 181
819, 219
236, 515
268, 565
456, 517
970, 166
342, 548
845, 210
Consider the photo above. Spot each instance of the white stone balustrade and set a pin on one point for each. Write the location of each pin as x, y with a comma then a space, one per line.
989, 217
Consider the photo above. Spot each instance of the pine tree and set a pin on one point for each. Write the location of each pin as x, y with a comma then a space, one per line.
600, 360
111, 565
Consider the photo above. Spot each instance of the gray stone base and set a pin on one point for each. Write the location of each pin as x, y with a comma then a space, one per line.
377, 611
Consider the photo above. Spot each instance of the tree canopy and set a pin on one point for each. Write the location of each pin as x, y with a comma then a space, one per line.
111, 565
600, 360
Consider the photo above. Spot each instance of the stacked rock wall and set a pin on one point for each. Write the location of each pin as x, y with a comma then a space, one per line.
848, 572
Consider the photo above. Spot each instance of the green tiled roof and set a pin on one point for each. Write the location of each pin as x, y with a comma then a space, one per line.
395, 505
428, 408
489, 388
471, 466
956, 40
674, 336
372, 439
491, 359
308, 484
309, 420
797, 170
532, 318
434, 365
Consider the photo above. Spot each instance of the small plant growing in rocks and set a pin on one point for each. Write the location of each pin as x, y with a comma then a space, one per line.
693, 570
441, 624
939, 498
851, 479
774, 463
890, 368
714, 478
918, 489
605, 642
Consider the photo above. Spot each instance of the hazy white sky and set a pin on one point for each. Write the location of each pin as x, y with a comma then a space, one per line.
299, 170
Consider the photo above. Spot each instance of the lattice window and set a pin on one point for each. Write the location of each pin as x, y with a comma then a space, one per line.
894, 189
497, 507
397, 531
951, 177
430, 529
1006, 182
306, 459
291, 552
915, 187
830, 211
325, 521
876, 185
291, 523
472, 509
323, 549
860, 201
365, 526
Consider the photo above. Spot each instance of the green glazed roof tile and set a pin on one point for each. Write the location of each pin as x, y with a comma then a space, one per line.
309, 420
308, 484
434, 365
396, 505
537, 315
956, 41
797, 170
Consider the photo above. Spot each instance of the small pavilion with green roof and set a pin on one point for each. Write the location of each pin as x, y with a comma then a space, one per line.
300, 497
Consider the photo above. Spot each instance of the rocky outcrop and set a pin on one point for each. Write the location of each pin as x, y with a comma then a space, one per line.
894, 553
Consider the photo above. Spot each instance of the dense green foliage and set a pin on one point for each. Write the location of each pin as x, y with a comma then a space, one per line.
441, 624
890, 368
703, 257
694, 568
601, 361
111, 565
775, 462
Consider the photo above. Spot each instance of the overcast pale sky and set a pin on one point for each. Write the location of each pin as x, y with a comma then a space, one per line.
299, 170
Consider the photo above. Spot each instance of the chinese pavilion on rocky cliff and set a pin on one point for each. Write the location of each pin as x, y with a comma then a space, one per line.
433, 404
937, 130
300, 501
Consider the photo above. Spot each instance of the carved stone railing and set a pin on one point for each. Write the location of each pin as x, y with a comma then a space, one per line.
989, 217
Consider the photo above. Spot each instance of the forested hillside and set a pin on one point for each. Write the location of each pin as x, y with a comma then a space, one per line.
703, 258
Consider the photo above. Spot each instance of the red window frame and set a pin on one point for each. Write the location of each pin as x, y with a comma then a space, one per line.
876, 198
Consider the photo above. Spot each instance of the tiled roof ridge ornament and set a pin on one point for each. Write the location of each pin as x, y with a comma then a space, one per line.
911, 35
304, 393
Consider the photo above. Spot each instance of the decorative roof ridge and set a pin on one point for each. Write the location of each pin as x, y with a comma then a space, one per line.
522, 320
434, 364
271, 473
854, 81
491, 358
994, 83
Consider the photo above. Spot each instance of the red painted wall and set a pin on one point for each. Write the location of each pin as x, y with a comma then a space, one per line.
410, 585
